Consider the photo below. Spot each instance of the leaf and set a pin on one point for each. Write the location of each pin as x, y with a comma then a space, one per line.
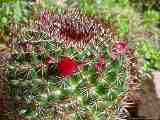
123, 3
157, 65
4, 20
100, 89
151, 17
87, 6
124, 22
34, 73
108, 3
18, 11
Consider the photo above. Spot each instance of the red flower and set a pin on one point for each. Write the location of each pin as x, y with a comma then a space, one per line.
67, 66
100, 66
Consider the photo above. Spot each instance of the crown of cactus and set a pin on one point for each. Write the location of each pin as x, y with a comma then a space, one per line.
67, 66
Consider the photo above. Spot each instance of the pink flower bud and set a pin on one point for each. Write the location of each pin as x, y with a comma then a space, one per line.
121, 47
45, 17
27, 47
49, 60
100, 66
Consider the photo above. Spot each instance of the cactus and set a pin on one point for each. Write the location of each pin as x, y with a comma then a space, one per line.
69, 66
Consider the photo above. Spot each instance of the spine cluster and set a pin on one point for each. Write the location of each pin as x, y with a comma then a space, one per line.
128, 108
72, 82
71, 27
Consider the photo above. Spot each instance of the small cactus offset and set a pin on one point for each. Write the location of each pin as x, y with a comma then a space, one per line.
68, 66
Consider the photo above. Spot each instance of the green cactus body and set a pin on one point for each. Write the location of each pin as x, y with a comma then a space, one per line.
96, 81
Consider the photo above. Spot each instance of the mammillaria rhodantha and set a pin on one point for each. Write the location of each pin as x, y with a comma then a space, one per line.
94, 91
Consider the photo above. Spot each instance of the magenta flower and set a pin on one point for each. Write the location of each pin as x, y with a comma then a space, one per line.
121, 47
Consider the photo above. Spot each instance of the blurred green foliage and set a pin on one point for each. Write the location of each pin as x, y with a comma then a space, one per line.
143, 5
150, 54
13, 11
151, 17
116, 11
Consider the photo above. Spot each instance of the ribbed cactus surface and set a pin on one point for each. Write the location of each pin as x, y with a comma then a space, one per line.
67, 66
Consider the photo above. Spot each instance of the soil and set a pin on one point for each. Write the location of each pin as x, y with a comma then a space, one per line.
150, 103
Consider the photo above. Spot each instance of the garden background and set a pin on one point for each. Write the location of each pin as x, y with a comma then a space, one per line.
34, 84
